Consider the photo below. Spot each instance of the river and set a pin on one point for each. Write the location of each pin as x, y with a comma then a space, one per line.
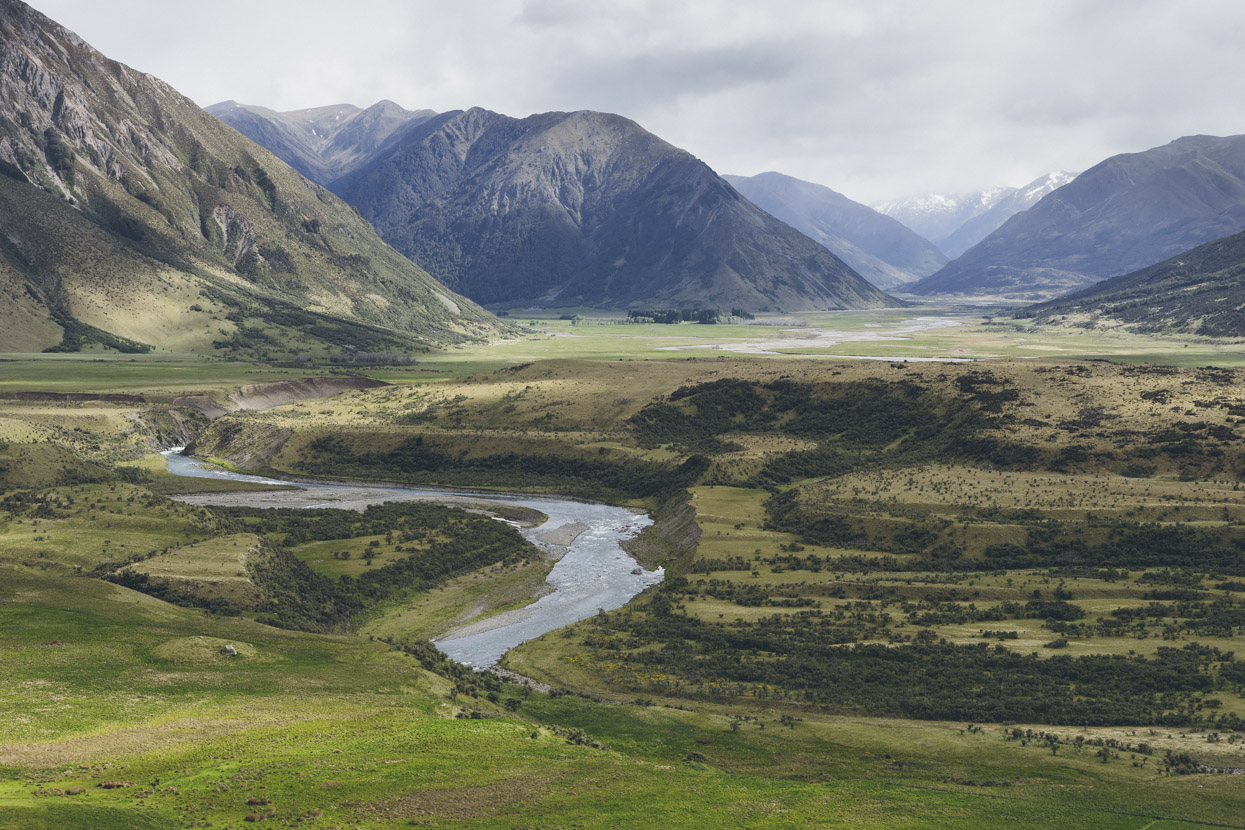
593, 573
808, 339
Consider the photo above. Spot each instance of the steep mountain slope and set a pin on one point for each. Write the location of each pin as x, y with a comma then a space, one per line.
131, 219
879, 248
323, 143
586, 208
1123, 214
1015, 200
1201, 291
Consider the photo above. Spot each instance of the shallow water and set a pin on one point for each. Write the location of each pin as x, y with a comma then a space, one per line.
594, 573
816, 338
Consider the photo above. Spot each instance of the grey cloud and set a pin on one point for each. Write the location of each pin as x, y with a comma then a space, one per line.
875, 98
648, 81
554, 13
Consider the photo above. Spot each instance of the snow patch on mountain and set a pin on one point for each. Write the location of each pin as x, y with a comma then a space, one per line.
956, 222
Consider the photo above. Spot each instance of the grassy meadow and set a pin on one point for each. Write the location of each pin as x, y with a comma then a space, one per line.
924, 594
881, 333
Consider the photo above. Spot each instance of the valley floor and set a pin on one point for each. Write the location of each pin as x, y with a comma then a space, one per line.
1000, 593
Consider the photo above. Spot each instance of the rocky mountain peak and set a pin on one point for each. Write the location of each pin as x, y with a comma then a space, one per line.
129, 217
575, 208
322, 143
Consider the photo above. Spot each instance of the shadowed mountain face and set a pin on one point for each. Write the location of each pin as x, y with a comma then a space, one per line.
1201, 291
1128, 212
879, 248
587, 209
130, 218
323, 143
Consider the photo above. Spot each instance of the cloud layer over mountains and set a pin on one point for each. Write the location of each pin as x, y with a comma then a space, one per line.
881, 99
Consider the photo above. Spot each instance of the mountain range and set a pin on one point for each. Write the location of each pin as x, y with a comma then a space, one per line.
566, 209
879, 248
956, 222
1007, 204
132, 219
323, 143
1125, 213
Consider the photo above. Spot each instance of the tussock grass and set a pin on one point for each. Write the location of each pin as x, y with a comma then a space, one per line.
101, 683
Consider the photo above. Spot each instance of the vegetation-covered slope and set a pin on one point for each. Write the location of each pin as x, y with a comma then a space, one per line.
1049, 545
1201, 291
131, 219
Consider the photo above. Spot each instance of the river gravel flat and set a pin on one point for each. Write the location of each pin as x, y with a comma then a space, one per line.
564, 535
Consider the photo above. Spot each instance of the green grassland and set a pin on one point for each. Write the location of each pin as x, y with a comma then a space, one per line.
159, 376
962, 518
459, 601
979, 336
604, 336
127, 690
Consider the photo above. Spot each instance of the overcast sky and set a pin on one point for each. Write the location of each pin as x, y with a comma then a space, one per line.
875, 98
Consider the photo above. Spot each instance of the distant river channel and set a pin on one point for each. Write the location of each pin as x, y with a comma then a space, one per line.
594, 571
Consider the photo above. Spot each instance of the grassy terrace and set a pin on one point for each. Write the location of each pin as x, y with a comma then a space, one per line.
1050, 530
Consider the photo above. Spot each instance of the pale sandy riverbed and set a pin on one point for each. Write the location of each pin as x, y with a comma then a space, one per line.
563, 536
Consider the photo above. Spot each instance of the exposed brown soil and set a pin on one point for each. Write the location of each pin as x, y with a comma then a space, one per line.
278, 392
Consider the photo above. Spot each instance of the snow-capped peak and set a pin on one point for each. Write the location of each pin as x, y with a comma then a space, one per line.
937, 216
1052, 181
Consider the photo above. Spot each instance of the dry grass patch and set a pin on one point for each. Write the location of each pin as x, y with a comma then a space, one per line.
466, 803
222, 559
215, 569
461, 600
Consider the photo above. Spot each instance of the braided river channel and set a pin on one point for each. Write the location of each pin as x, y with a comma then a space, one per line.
592, 570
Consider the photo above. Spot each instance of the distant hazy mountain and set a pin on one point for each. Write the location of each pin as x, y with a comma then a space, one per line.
956, 222
879, 248
130, 218
1201, 291
1014, 200
585, 208
935, 216
1123, 214
323, 143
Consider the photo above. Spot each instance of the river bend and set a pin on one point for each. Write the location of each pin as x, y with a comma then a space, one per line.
594, 572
